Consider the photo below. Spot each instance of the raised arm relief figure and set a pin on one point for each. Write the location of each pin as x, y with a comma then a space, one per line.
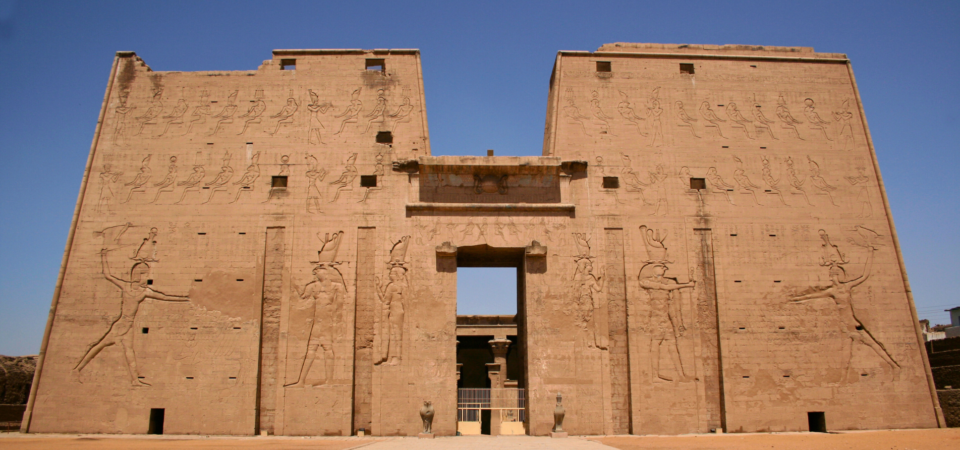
133, 292
841, 293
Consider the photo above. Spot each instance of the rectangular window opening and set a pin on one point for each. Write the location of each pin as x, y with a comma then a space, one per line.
698, 183
782, 328
156, 421
763, 148
368, 181
278, 182
817, 422
603, 66
189, 378
737, 281
776, 281
686, 68
149, 282
288, 64
144, 330
384, 137
734, 235
773, 235
376, 64
611, 182
743, 328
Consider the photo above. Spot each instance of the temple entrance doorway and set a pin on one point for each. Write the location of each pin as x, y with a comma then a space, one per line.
490, 341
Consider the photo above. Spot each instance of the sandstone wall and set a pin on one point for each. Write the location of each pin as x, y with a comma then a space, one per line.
276, 251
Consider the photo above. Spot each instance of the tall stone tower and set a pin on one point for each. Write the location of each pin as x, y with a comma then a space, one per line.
705, 244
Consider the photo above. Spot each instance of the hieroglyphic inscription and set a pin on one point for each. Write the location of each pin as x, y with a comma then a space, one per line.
617, 325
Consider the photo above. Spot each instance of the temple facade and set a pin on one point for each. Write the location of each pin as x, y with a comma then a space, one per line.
704, 245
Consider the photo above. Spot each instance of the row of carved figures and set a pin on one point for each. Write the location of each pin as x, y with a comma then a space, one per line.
380, 117
665, 323
144, 183
653, 192
753, 123
324, 296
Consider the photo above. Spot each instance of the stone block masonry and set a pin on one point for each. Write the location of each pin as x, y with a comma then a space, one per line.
705, 244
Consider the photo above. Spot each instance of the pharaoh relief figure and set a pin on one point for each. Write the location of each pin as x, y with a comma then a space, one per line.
133, 292
590, 305
666, 319
324, 296
840, 291
393, 295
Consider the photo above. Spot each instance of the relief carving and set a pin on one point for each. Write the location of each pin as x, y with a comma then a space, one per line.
225, 116
378, 173
392, 297
139, 182
107, 179
840, 291
220, 182
167, 183
590, 311
813, 118
254, 111
625, 108
351, 113
787, 121
863, 193
666, 319
249, 177
315, 175
324, 296
148, 117
192, 183
316, 109
200, 113
738, 120
133, 292
285, 116
686, 120
743, 181
175, 117
714, 121
345, 182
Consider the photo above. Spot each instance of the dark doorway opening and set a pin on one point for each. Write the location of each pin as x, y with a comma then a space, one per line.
491, 352
156, 421
817, 422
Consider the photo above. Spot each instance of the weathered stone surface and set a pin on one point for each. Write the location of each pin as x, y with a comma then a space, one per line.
704, 244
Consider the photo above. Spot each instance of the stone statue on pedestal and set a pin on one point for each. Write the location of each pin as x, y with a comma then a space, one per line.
426, 413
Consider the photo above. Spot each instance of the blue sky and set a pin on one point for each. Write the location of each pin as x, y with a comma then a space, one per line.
486, 67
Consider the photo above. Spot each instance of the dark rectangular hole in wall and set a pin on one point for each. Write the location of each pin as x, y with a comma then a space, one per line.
193, 328
242, 233
376, 64
384, 137
189, 378
782, 328
236, 328
817, 422
776, 281
149, 282
288, 64
737, 281
368, 181
698, 183
743, 328
611, 182
156, 421
233, 378
763, 148
734, 235
278, 181
686, 68
201, 234
197, 280
239, 279
722, 107
773, 235
144, 330
726, 146
603, 66
753, 65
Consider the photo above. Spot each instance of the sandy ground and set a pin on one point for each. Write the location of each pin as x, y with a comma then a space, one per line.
94, 442
933, 439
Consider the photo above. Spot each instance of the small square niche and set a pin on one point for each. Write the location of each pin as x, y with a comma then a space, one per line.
288, 64
376, 65
611, 182
686, 68
698, 183
278, 182
384, 137
368, 181
603, 66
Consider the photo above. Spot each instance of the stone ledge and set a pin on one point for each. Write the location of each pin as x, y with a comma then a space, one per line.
492, 207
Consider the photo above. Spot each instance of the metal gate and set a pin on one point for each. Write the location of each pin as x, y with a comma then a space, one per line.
506, 405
